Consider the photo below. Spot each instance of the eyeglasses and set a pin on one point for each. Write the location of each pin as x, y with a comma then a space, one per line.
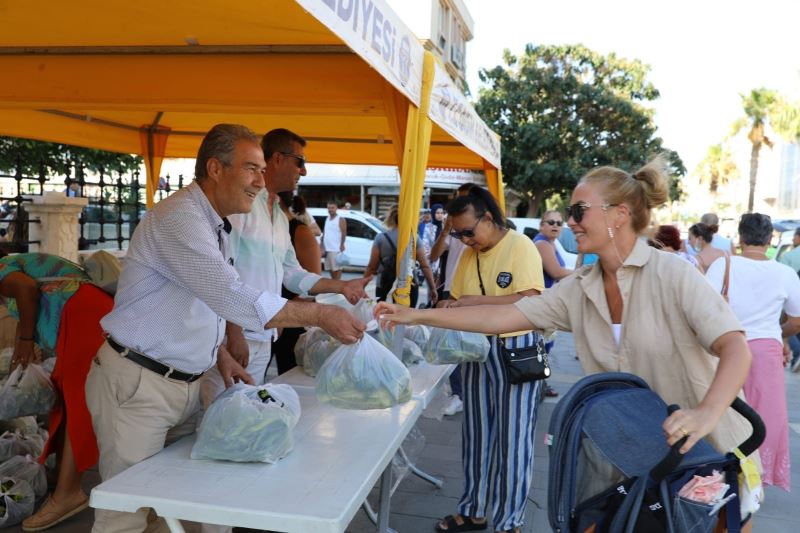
576, 211
301, 161
554, 222
468, 233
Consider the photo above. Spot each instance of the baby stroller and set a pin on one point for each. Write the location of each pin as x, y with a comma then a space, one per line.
609, 471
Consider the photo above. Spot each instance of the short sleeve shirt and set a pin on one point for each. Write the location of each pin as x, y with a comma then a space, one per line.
513, 265
671, 317
57, 278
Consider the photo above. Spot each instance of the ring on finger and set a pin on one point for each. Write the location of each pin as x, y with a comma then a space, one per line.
683, 432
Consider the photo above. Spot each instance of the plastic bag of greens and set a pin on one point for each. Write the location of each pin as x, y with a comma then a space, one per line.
365, 375
418, 334
313, 348
363, 310
17, 443
16, 501
27, 469
449, 346
247, 424
26, 392
411, 355
25, 424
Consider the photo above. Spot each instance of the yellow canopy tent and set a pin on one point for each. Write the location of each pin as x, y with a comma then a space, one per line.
151, 77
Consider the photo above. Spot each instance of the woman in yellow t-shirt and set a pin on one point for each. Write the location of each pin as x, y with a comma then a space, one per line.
498, 267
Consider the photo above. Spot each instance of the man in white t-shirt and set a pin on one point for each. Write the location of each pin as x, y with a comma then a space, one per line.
333, 237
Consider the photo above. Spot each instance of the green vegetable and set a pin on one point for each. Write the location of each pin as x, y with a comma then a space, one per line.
448, 346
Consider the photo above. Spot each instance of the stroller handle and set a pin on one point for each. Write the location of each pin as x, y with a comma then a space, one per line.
674, 457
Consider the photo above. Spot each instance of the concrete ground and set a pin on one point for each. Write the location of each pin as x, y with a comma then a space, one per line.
416, 504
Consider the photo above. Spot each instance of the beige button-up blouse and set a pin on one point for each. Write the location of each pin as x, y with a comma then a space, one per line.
671, 316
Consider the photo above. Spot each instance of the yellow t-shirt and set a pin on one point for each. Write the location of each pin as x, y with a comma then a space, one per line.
513, 265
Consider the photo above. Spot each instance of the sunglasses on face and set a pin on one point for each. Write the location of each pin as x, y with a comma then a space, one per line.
301, 161
468, 233
576, 211
554, 222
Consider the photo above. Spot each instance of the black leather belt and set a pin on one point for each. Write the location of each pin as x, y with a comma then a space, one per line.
151, 364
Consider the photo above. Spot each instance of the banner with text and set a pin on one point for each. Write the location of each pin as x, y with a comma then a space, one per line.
454, 114
373, 31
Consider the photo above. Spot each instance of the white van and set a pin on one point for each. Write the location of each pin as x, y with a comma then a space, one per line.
362, 228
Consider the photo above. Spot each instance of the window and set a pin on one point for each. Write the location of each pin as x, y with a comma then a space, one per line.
356, 228
444, 25
457, 46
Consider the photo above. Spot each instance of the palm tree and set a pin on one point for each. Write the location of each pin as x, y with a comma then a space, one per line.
785, 119
717, 169
758, 105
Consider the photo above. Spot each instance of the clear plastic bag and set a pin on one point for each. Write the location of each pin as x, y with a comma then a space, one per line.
449, 346
411, 354
27, 469
313, 348
25, 424
365, 375
363, 310
26, 392
17, 443
16, 501
418, 334
249, 424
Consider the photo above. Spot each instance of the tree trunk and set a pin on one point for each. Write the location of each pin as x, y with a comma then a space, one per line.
753, 173
534, 203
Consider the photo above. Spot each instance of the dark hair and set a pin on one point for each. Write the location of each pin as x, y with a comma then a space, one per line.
703, 231
279, 140
711, 220
669, 235
481, 201
755, 229
332, 202
298, 205
220, 143
464, 187
286, 198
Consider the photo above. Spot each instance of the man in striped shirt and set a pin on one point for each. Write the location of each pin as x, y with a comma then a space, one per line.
177, 288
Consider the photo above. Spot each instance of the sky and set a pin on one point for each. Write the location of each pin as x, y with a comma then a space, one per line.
702, 53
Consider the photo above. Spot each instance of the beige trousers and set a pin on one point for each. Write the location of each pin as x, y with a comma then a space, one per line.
135, 412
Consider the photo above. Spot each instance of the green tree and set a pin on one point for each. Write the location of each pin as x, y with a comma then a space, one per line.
717, 169
563, 110
758, 105
57, 158
785, 119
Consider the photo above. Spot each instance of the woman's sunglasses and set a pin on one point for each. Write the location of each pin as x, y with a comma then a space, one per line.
554, 222
576, 211
468, 233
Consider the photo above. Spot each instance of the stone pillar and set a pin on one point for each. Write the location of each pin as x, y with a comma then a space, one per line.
57, 231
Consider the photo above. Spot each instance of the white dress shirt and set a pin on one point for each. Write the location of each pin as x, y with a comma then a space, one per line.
263, 255
178, 287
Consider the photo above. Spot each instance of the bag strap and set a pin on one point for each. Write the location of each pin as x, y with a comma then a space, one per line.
726, 281
480, 279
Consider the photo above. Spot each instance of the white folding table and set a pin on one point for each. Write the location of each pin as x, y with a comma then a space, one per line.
338, 457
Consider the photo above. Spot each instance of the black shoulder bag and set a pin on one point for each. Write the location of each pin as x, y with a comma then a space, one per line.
522, 364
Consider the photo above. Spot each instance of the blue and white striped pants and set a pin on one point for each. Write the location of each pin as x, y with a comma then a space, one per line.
497, 439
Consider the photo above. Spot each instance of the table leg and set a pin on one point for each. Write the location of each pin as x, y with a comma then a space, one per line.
383, 506
420, 473
174, 525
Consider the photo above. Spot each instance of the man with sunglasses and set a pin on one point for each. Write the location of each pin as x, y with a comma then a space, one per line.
262, 253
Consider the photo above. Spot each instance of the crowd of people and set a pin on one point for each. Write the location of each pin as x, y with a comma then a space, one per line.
135, 373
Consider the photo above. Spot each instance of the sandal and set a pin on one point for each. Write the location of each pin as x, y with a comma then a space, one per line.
468, 525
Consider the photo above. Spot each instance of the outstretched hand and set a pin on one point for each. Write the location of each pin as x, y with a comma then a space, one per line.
341, 325
389, 315
692, 423
23, 354
354, 290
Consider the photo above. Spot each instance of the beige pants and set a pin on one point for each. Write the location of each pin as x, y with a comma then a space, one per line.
135, 412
